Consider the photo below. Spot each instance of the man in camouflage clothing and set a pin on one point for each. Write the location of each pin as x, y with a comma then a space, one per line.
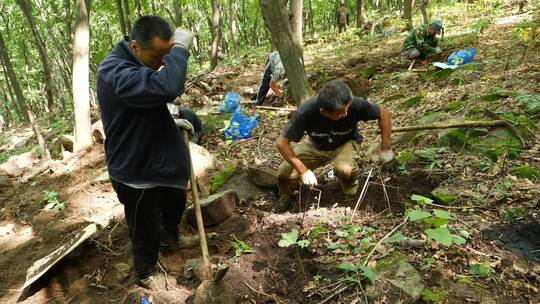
422, 40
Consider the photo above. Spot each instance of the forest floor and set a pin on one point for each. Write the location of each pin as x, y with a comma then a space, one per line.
470, 233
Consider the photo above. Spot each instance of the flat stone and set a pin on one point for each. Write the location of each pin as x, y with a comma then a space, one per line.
401, 275
215, 208
11, 169
263, 177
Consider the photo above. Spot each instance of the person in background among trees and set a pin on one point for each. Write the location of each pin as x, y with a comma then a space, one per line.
330, 121
422, 41
342, 17
147, 159
273, 72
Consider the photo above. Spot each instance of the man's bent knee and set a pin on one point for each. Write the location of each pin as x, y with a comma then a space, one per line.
345, 170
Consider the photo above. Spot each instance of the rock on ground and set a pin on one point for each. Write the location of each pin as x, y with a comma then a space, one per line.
215, 208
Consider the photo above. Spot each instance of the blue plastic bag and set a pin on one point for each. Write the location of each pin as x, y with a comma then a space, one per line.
230, 103
461, 57
240, 126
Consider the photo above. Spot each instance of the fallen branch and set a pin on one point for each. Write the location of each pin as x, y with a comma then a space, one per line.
492, 123
275, 108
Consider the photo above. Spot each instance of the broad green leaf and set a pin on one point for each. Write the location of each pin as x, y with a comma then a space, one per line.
421, 200
349, 279
331, 246
428, 262
303, 243
481, 270
436, 222
440, 235
368, 273
288, 239
347, 267
415, 215
458, 240
396, 237
442, 214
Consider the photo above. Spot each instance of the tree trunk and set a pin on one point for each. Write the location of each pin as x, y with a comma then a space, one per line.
234, 29
277, 19
121, 17
21, 102
47, 74
254, 38
295, 20
138, 9
216, 32
407, 13
423, 10
360, 13
67, 9
177, 6
39, 138
310, 18
128, 16
81, 89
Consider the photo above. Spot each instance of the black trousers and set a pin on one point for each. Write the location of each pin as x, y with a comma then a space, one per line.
151, 214
265, 85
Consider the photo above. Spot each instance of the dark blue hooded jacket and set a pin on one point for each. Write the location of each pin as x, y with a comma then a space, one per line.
142, 145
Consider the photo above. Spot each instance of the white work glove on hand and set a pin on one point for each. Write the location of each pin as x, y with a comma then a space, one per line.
386, 156
309, 179
438, 50
183, 38
185, 124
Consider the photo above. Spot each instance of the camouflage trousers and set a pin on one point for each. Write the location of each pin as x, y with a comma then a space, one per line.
345, 165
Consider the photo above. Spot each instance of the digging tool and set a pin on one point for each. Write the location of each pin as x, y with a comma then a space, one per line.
198, 216
212, 273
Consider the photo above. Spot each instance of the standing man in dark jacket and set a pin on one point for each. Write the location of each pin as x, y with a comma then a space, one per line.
342, 17
147, 159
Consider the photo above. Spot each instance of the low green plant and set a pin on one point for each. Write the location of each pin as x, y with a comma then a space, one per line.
219, 179
481, 25
52, 203
355, 271
480, 270
291, 238
434, 296
513, 213
240, 247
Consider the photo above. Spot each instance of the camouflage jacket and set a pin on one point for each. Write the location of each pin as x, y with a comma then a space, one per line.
419, 39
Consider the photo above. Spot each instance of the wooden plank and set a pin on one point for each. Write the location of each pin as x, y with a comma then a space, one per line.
41, 266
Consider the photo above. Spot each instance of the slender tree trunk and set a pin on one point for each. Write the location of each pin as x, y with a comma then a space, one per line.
39, 138
310, 18
81, 88
360, 13
177, 6
138, 9
423, 9
67, 10
47, 74
407, 13
276, 17
121, 17
128, 16
216, 32
21, 102
254, 38
7, 106
234, 29
295, 20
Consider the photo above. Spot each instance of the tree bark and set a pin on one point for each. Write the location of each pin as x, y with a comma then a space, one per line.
121, 17
128, 16
216, 32
81, 89
310, 18
177, 6
138, 9
360, 13
407, 13
234, 29
47, 74
21, 102
41, 142
277, 19
295, 20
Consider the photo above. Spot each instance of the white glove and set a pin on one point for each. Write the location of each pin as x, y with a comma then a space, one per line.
438, 50
183, 38
386, 156
309, 179
185, 124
